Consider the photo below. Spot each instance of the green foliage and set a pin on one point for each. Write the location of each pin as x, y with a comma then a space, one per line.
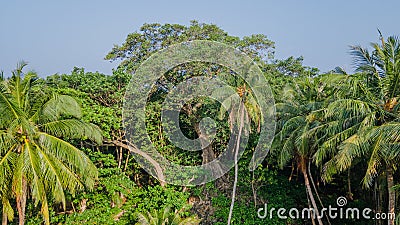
116, 195
50, 141
165, 217
99, 95
118, 200
275, 191
35, 153
138, 46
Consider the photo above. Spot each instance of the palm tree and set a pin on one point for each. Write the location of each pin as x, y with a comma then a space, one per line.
302, 101
371, 116
165, 217
8, 212
382, 68
36, 160
242, 107
345, 115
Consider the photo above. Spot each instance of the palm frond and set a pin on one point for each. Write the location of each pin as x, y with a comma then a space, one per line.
38, 191
6, 141
363, 60
33, 161
7, 209
374, 162
71, 156
345, 108
288, 149
57, 106
73, 129
7, 164
8, 109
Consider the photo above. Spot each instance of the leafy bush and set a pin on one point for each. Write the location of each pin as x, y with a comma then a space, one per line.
166, 217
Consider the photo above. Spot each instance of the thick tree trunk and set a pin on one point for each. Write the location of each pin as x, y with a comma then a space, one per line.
392, 194
208, 155
310, 194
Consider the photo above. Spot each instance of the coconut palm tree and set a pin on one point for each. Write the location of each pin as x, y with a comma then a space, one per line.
368, 119
297, 118
243, 108
36, 159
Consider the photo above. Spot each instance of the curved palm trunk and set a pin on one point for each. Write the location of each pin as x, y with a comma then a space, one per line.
309, 191
315, 189
236, 159
392, 195
309, 206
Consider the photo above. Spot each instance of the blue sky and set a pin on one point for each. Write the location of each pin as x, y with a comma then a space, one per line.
55, 36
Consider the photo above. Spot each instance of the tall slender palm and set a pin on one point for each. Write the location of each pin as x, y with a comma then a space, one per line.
36, 160
243, 107
371, 118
